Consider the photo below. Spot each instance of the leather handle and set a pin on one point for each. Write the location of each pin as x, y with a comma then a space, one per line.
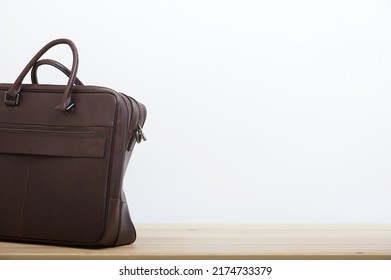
11, 97
55, 64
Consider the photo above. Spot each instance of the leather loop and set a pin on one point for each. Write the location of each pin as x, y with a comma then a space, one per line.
11, 97
55, 64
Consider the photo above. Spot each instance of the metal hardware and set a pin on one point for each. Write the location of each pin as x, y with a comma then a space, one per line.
70, 106
140, 136
11, 101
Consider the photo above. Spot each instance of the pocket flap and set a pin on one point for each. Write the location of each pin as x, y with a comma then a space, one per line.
52, 145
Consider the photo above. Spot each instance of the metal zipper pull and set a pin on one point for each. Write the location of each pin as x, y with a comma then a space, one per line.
140, 136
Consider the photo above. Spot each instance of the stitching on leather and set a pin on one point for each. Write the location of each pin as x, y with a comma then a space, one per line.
24, 196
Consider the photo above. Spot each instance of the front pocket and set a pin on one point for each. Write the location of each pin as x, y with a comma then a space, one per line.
53, 182
60, 142
65, 199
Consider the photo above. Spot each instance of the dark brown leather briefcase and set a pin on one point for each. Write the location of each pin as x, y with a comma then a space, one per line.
63, 156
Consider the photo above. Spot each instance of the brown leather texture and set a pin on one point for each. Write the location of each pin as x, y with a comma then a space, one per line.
64, 150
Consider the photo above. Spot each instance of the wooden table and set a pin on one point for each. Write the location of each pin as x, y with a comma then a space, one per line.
217, 241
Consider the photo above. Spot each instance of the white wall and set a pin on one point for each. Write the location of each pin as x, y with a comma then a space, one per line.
259, 111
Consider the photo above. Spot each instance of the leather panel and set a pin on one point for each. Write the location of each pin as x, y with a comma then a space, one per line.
14, 174
64, 199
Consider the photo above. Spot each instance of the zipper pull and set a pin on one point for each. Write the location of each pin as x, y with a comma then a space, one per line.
140, 136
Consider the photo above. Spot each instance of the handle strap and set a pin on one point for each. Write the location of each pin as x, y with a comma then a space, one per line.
55, 64
11, 97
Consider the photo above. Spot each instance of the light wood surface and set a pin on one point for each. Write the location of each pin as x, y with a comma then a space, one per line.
230, 242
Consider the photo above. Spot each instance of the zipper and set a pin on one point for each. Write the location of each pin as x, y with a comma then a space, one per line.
42, 129
136, 131
139, 133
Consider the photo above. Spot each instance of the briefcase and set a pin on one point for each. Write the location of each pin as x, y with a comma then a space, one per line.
64, 150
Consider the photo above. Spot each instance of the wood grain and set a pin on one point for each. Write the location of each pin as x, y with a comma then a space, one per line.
219, 241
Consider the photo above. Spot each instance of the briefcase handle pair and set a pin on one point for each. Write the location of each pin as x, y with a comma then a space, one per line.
54, 63
11, 97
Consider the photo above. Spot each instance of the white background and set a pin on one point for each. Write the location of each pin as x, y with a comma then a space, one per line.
258, 111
